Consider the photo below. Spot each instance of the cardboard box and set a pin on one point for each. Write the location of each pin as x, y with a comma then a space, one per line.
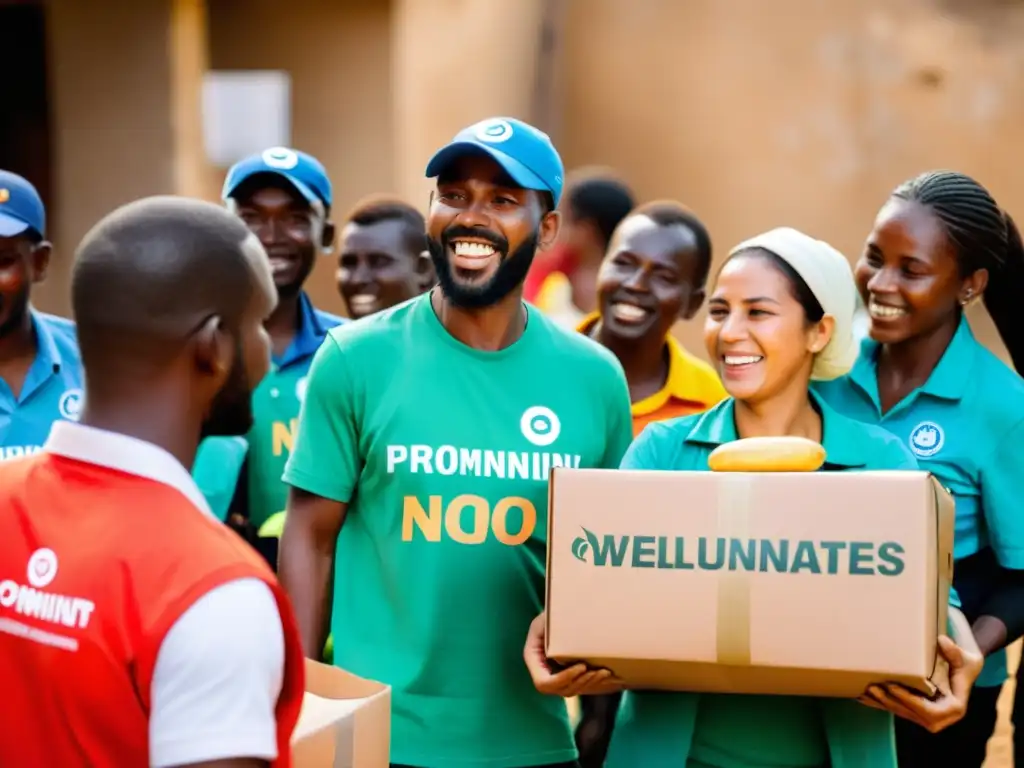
831, 580
345, 721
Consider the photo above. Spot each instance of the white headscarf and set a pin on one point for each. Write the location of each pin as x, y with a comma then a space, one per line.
830, 278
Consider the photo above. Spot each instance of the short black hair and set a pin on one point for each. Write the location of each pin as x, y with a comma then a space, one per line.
33, 235
378, 208
602, 200
158, 268
547, 202
983, 236
669, 213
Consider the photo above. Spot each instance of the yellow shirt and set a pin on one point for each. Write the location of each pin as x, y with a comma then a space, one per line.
554, 299
692, 386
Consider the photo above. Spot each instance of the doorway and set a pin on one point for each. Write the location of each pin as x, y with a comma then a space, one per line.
25, 121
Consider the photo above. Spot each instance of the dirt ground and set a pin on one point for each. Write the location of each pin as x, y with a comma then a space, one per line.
1000, 752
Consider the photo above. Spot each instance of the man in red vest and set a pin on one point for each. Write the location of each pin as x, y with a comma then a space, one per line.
135, 629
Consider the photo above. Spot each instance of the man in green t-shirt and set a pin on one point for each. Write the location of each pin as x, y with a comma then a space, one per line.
419, 476
284, 196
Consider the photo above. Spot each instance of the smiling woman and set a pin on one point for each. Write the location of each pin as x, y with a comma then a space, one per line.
780, 315
760, 343
939, 244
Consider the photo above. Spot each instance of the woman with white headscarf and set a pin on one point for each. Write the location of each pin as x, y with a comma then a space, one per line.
781, 315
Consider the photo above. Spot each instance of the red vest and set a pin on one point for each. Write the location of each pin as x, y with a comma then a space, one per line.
96, 565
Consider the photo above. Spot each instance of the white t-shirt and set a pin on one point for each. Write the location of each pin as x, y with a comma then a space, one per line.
217, 679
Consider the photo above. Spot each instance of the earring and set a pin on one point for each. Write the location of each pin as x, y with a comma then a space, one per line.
967, 298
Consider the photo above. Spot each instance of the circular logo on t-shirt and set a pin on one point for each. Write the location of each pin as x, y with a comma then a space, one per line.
42, 568
493, 131
280, 157
926, 439
300, 388
540, 425
70, 404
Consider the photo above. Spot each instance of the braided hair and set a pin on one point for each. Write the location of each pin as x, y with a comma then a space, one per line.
983, 236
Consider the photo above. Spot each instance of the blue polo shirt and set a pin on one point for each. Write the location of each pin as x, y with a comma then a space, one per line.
657, 728
275, 404
52, 389
313, 327
965, 425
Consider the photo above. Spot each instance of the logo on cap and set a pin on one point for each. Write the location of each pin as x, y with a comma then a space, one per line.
280, 157
5, 195
493, 131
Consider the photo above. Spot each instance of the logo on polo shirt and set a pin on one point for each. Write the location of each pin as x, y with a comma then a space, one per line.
70, 404
493, 131
30, 601
927, 439
42, 568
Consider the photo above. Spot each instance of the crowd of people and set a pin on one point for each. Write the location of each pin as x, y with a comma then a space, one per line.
205, 478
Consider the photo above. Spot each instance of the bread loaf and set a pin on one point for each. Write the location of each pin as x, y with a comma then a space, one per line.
768, 454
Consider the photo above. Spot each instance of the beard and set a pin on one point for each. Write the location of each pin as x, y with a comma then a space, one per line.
509, 275
13, 308
230, 412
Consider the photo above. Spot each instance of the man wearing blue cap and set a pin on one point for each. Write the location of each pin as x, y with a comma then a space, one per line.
428, 430
40, 368
284, 196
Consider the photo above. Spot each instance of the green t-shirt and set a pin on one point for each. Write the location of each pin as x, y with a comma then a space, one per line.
442, 453
784, 731
275, 407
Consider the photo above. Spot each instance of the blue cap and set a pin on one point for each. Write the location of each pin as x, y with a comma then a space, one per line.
21, 208
302, 171
525, 152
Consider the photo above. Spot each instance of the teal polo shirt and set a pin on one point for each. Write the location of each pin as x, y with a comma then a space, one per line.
52, 389
686, 443
965, 425
216, 470
735, 731
275, 405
